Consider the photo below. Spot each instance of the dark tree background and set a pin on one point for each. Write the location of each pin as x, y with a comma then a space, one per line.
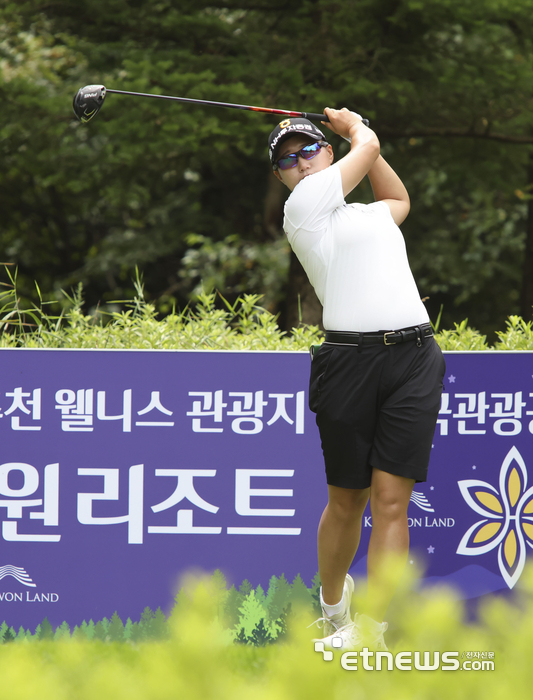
186, 193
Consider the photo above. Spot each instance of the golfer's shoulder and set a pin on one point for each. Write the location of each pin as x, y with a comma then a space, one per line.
319, 193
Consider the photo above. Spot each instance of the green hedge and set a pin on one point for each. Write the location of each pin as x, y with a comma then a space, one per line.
213, 324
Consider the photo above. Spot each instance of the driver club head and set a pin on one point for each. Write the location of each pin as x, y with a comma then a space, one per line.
88, 101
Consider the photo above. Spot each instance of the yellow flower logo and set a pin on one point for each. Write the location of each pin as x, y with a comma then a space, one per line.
507, 517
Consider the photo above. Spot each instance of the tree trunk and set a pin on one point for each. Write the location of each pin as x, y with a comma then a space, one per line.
273, 209
527, 279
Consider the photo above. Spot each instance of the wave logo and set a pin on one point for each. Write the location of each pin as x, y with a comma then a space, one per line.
18, 573
418, 498
507, 523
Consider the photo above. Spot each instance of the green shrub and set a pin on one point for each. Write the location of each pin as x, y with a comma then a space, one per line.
518, 336
243, 325
213, 324
462, 337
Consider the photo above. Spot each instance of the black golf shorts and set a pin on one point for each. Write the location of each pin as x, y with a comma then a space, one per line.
376, 406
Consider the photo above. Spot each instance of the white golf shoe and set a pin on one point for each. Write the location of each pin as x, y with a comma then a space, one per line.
347, 638
371, 632
340, 626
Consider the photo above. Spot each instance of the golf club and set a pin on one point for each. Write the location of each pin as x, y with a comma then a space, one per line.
88, 102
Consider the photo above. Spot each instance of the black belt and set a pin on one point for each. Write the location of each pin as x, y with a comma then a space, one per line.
418, 333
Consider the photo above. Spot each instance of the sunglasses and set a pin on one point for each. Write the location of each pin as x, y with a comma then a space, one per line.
291, 160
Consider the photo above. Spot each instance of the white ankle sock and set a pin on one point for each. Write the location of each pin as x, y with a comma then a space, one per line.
332, 610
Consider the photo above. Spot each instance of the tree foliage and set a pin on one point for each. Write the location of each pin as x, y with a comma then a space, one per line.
185, 192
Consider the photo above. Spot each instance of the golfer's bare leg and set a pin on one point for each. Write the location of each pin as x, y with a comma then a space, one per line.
338, 538
389, 542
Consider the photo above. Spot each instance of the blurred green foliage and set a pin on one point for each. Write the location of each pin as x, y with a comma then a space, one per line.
185, 192
199, 660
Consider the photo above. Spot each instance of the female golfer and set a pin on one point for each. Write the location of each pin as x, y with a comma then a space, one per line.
376, 381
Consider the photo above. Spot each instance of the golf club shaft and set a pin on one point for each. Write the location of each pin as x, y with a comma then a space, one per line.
267, 110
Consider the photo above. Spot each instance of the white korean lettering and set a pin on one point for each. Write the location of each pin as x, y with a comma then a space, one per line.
211, 406
250, 411
126, 409
155, 405
509, 413
76, 409
281, 410
244, 492
475, 408
20, 399
16, 499
134, 516
185, 490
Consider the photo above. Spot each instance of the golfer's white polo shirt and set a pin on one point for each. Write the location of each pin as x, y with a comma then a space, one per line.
354, 256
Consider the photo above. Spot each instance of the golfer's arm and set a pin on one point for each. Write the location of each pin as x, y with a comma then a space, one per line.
388, 188
359, 161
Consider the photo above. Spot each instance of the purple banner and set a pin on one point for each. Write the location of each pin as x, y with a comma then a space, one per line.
122, 470
472, 522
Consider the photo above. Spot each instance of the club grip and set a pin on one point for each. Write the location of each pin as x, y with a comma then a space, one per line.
324, 118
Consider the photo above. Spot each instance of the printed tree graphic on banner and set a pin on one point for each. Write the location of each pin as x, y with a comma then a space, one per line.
220, 591
252, 612
9, 636
116, 629
46, 631
300, 594
231, 607
260, 635
249, 616
79, 632
153, 625
127, 628
278, 597
63, 631
99, 632
245, 588
315, 594
146, 622
260, 596
136, 633
159, 628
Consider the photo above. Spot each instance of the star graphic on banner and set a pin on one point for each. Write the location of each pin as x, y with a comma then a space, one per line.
474, 466
451, 379
431, 550
432, 488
